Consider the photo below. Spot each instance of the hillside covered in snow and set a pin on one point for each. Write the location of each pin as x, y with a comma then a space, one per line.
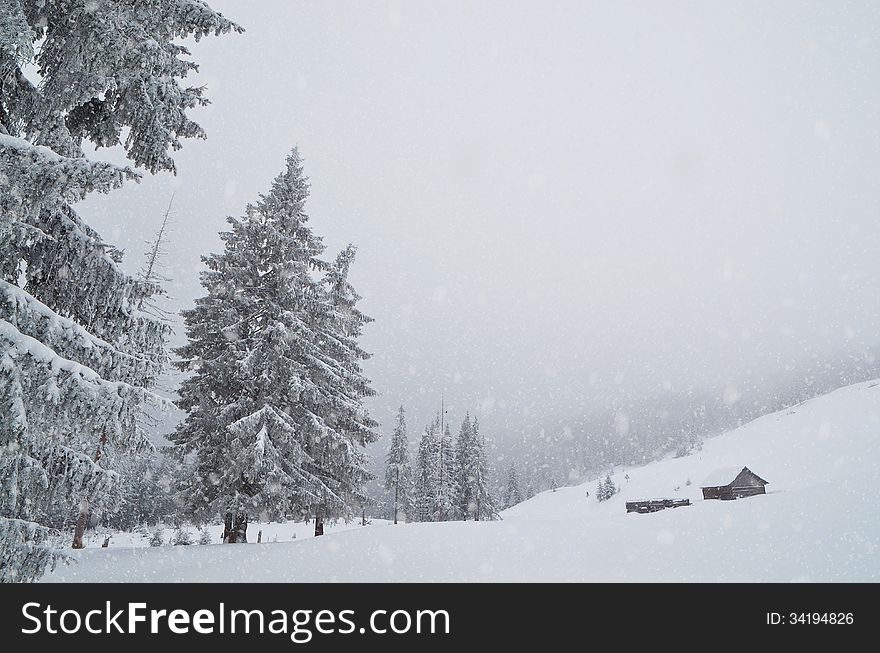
817, 522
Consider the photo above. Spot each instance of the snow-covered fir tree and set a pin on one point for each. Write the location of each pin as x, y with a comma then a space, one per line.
609, 487
398, 471
484, 508
512, 493
337, 369
425, 487
446, 507
275, 421
76, 355
530, 489
606, 489
474, 497
464, 451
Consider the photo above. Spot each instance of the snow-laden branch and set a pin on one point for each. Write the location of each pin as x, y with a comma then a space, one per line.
30, 316
32, 174
17, 344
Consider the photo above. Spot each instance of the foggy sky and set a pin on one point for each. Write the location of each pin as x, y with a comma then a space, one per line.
554, 203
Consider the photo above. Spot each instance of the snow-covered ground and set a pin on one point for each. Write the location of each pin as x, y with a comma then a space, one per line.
271, 532
819, 522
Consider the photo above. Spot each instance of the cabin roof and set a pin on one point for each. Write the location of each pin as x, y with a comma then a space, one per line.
726, 476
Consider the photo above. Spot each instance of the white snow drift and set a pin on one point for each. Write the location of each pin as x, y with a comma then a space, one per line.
818, 522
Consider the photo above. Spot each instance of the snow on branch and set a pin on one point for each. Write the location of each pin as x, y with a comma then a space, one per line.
26, 550
197, 19
17, 344
32, 175
67, 338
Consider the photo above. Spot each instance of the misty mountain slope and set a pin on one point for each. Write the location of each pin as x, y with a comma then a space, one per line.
831, 439
817, 522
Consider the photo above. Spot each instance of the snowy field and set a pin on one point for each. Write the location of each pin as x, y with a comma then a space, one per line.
272, 532
818, 522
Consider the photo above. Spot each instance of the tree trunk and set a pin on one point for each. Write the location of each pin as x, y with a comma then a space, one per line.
235, 528
80, 529
83, 518
241, 528
319, 523
396, 492
227, 528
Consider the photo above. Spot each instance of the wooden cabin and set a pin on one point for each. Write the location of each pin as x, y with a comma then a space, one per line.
733, 483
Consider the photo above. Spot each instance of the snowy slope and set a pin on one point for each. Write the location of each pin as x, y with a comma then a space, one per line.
819, 522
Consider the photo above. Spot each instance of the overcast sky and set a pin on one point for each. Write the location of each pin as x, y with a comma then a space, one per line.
553, 202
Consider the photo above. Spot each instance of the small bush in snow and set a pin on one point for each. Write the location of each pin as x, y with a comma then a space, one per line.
156, 537
204, 536
181, 537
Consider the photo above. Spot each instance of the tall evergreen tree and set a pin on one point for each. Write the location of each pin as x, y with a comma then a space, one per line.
512, 493
76, 355
464, 448
446, 507
530, 488
338, 373
425, 490
606, 489
484, 507
609, 487
275, 418
474, 495
398, 473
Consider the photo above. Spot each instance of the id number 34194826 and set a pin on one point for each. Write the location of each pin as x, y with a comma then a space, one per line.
810, 618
